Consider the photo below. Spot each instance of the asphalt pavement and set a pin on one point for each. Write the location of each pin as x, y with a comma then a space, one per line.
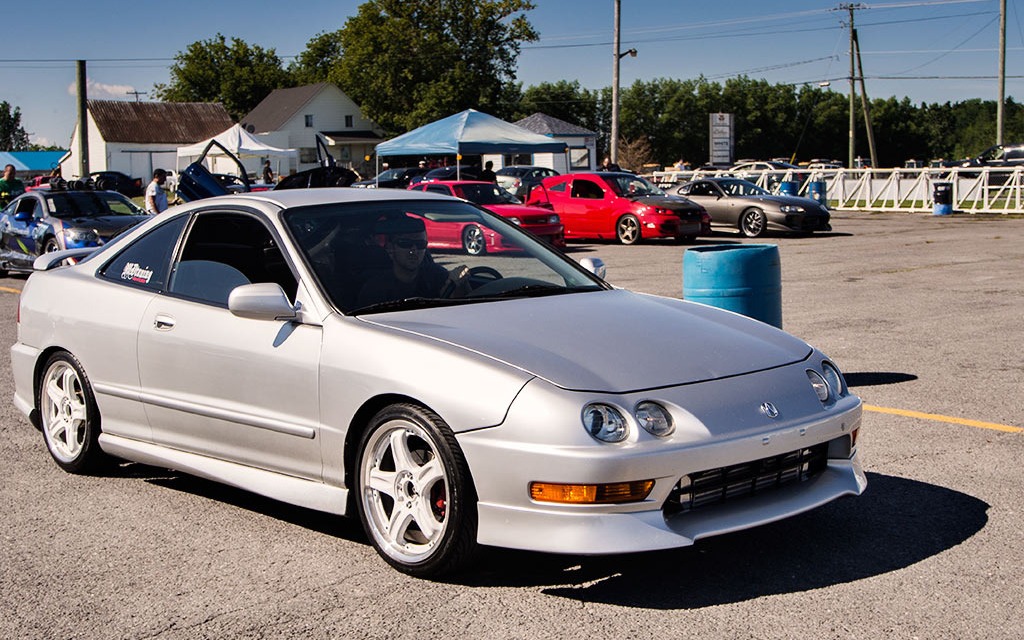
924, 314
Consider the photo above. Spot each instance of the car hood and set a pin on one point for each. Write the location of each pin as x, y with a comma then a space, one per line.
516, 210
103, 223
607, 341
806, 203
673, 203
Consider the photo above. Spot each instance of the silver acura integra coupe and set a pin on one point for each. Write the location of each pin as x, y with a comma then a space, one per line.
306, 345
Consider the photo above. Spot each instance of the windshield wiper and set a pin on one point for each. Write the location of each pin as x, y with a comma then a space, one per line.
536, 291
406, 304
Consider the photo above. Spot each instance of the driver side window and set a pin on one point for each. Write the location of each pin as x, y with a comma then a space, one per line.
586, 189
226, 250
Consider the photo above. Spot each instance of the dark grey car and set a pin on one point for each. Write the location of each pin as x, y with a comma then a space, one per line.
741, 204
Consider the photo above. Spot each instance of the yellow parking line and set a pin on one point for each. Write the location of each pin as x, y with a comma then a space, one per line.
10, 290
940, 418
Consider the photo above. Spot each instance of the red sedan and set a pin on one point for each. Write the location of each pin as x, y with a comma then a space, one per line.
619, 205
475, 240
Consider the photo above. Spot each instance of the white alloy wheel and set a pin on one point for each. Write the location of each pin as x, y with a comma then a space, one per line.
413, 492
70, 419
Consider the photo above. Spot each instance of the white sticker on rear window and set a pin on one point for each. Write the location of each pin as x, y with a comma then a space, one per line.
132, 271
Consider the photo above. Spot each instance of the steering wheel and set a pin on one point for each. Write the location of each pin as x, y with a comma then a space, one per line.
485, 273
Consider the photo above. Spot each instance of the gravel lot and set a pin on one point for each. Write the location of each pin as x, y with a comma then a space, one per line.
923, 313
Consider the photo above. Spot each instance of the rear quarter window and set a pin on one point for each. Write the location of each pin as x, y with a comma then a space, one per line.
146, 262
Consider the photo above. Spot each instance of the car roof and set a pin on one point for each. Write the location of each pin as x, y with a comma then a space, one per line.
290, 198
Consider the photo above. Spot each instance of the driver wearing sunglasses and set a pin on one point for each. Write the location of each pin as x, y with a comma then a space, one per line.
413, 272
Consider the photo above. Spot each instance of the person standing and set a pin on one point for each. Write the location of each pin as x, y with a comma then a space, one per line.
10, 186
268, 173
488, 175
156, 197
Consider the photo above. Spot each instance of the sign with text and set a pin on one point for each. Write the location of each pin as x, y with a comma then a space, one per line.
722, 138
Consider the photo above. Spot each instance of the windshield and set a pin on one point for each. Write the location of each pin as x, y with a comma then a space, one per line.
390, 174
742, 188
378, 256
631, 186
88, 204
486, 194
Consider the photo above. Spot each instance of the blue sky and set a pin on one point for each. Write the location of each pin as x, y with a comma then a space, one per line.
927, 50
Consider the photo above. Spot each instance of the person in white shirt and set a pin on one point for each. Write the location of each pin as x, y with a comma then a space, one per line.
156, 197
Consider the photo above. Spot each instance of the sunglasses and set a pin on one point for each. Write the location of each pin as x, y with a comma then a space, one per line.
410, 243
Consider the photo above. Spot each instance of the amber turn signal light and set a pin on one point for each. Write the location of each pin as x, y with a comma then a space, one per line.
591, 493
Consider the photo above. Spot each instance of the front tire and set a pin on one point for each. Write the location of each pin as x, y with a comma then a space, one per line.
51, 245
473, 240
753, 223
416, 498
69, 415
627, 229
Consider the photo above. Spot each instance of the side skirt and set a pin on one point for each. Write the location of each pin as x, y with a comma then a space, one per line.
296, 491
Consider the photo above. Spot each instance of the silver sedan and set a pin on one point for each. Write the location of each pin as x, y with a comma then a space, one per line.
307, 346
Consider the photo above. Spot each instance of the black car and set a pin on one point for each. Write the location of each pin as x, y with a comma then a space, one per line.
1000, 155
58, 218
521, 179
398, 178
119, 182
461, 172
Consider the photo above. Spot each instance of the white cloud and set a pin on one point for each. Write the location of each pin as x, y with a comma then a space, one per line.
100, 91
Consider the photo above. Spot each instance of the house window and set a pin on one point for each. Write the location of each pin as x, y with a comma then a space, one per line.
579, 158
517, 159
349, 122
307, 155
309, 120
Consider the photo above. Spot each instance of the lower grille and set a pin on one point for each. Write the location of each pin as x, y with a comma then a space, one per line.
715, 486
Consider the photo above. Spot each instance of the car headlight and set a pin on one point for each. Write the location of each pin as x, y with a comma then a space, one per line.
791, 208
834, 379
81, 235
605, 423
515, 220
654, 418
554, 219
819, 384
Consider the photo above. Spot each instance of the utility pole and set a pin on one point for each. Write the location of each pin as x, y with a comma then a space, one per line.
83, 121
1002, 72
613, 144
136, 94
851, 7
866, 104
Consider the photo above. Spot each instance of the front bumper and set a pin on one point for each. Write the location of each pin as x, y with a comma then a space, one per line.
712, 432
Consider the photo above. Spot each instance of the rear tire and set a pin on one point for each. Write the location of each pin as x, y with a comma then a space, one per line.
69, 415
473, 240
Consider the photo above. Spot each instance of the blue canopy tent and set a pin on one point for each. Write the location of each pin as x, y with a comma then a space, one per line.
468, 132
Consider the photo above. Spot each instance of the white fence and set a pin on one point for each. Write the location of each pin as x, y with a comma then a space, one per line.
975, 190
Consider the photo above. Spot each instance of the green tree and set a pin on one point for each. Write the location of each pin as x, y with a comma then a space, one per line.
318, 60
12, 135
563, 100
408, 62
235, 74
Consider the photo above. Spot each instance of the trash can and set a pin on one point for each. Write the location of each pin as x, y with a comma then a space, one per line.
817, 191
789, 188
942, 198
744, 278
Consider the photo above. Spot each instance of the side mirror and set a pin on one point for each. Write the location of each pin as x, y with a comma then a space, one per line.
594, 266
22, 216
261, 301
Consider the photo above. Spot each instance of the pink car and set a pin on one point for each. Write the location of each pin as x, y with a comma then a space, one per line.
475, 240
619, 205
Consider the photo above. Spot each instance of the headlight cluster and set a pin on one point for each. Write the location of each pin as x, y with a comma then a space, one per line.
554, 219
829, 384
515, 220
81, 235
607, 424
791, 208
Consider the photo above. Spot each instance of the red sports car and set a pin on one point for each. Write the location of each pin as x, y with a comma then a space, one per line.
611, 204
475, 240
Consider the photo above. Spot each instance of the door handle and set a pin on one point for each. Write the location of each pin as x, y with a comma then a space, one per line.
163, 323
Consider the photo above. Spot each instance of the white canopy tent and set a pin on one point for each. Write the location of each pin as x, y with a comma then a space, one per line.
239, 142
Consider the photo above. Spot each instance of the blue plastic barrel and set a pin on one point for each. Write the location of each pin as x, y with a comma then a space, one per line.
942, 198
789, 188
744, 278
817, 191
